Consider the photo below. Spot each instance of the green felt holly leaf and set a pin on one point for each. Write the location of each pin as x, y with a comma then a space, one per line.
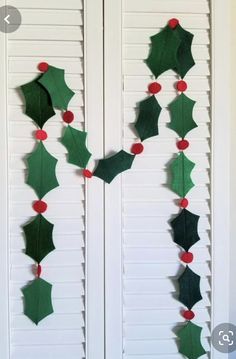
189, 288
190, 341
110, 167
37, 300
147, 122
38, 102
181, 169
185, 59
163, 53
185, 228
74, 140
38, 235
181, 110
41, 176
54, 82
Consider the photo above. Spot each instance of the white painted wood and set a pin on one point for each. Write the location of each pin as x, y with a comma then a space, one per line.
95, 248
113, 191
221, 165
51, 31
4, 206
141, 214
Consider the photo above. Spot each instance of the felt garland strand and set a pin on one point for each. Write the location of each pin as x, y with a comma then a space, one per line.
171, 50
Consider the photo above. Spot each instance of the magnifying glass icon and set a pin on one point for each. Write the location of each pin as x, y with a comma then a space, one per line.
225, 338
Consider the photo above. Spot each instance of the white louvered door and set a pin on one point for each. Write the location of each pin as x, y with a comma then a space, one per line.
114, 268
145, 251
53, 31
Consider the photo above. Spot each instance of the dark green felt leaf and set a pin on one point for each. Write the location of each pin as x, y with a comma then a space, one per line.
38, 235
147, 122
54, 82
185, 228
181, 169
163, 53
75, 142
37, 300
181, 110
189, 288
185, 59
190, 341
38, 102
110, 167
41, 176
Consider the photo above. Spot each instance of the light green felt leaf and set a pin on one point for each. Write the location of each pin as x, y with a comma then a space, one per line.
37, 300
163, 53
181, 169
181, 110
38, 234
54, 82
185, 59
190, 341
74, 140
110, 167
147, 122
38, 102
41, 176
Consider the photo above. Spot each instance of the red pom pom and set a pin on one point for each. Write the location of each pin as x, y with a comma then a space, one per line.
68, 116
182, 145
173, 23
154, 88
43, 66
87, 173
181, 86
39, 270
41, 135
187, 257
137, 148
188, 314
184, 203
40, 206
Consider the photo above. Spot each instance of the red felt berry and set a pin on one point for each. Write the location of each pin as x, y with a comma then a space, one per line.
43, 66
87, 173
182, 145
68, 116
173, 23
39, 270
183, 203
188, 314
40, 206
181, 86
154, 88
137, 148
41, 135
187, 257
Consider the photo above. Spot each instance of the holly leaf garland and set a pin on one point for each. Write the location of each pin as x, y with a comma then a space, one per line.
181, 169
38, 102
54, 82
110, 167
41, 176
37, 300
163, 53
147, 121
185, 229
181, 110
190, 341
38, 235
74, 141
185, 59
189, 288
